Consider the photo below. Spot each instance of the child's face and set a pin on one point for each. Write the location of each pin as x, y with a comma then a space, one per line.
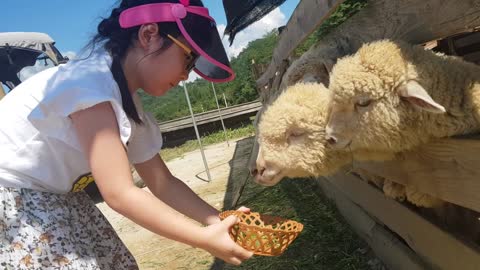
160, 72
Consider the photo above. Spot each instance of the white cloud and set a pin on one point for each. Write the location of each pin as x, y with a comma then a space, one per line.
192, 76
71, 55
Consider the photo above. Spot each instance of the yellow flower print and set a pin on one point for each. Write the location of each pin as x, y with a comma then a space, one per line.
61, 261
82, 182
46, 238
27, 261
17, 245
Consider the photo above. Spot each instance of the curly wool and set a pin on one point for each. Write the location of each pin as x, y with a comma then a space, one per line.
391, 123
291, 133
379, 68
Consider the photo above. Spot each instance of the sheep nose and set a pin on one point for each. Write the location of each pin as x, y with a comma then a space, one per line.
331, 139
259, 171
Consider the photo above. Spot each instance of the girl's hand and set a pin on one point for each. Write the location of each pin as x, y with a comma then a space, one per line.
244, 209
219, 244
216, 219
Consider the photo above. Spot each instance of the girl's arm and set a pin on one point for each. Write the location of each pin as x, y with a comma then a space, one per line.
98, 133
174, 192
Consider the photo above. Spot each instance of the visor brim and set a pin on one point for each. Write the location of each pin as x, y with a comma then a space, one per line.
202, 34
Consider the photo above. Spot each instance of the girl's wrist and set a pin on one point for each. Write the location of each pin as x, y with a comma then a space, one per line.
212, 219
198, 238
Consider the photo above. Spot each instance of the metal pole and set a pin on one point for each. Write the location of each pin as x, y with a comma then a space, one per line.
224, 99
220, 113
196, 132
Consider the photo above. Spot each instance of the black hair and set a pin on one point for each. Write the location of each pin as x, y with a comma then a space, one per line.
117, 41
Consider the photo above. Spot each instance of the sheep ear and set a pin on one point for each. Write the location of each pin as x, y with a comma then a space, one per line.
328, 65
417, 96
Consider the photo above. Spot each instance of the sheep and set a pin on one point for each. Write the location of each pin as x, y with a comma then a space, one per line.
292, 143
291, 136
291, 139
392, 96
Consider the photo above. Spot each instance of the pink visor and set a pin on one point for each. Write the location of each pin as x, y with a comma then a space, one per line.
196, 26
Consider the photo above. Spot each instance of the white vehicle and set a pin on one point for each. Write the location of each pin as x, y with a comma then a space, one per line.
23, 54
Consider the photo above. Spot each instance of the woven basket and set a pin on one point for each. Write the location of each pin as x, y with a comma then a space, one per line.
264, 235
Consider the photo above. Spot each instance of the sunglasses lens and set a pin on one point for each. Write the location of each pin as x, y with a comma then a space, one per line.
202, 34
191, 60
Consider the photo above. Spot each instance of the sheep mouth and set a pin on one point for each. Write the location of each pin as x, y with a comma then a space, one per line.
268, 180
265, 183
343, 146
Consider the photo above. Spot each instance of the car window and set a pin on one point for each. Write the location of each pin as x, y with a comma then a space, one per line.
42, 63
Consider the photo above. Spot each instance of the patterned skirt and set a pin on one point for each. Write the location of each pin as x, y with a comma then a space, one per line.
41, 230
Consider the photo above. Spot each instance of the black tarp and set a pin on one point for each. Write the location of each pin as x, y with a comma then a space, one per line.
242, 13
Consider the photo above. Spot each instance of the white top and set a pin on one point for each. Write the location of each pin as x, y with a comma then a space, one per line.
38, 146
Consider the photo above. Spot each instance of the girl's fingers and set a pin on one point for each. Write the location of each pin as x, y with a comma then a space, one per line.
242, 253
244, 209
230, 221
234, 261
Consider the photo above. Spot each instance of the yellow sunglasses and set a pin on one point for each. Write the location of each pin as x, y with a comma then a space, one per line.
191, 56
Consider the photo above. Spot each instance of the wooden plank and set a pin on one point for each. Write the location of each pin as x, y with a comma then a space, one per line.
467, 40
448, 169
235, 108
439, 248
308, 15
211, 116
472, 57
391, 251
415, 21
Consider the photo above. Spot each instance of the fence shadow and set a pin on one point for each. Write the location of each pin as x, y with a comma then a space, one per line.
237, 179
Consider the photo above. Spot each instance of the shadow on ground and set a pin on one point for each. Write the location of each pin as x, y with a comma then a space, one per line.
238, 178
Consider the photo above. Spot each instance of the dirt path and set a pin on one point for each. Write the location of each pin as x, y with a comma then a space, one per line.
155, 252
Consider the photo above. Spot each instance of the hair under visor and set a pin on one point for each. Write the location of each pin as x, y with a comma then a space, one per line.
196, 26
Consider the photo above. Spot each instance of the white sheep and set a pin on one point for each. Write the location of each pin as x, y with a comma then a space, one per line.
292, 143
291, 136
392, 96
291, 139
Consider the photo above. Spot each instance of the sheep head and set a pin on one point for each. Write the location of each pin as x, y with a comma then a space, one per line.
377, 99
291, 136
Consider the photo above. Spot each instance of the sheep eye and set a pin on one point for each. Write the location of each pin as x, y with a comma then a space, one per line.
295, 137
297, 134
363, 103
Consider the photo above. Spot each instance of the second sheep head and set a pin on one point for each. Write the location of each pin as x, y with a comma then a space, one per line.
291, 136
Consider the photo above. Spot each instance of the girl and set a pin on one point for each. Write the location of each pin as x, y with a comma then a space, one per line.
81, 121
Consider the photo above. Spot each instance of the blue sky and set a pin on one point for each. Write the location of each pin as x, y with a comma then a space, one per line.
71, 23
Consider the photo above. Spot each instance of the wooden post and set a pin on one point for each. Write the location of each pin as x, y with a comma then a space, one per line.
440, 248
394, 253
308, 15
